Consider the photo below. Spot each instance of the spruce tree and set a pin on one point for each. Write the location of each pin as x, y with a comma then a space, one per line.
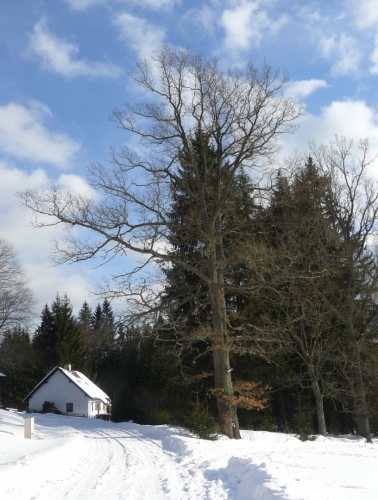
84, 316
96, 317
186, 302
185, 294
104, 329
298, 227
108, 328
85, 320
58, 340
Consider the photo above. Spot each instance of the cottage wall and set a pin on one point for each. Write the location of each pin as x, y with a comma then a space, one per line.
60, 390
95, 407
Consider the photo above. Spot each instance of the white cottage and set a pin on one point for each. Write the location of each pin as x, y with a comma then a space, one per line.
71, 392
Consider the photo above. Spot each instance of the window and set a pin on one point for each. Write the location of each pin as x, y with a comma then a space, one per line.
69, 407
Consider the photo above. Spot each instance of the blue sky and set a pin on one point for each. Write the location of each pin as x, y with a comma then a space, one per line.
65, 66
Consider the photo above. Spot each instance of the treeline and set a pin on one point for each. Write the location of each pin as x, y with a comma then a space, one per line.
141, 376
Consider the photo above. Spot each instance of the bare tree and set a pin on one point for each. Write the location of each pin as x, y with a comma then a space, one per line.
242, 114
16, 298
311, 333
353, 209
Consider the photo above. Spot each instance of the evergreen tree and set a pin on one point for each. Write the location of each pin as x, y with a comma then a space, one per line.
58, 340
96, 318
186, 295
186, 302
105, 349
104, 329
84, 316
85, 320
108, 328
298, 227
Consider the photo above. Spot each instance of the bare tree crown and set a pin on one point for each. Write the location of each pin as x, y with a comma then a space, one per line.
242, 113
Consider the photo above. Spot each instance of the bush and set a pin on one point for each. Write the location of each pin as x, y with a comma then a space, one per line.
49, 407
302, 424
201, 423
162, 416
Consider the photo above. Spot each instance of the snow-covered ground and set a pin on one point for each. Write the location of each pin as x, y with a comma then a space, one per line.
87, 459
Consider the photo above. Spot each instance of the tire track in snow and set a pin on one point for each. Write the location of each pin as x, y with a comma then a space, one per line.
120, 464
83, 459
94, 464
141, 467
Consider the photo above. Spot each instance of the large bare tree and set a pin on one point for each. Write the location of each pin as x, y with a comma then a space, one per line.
242, 114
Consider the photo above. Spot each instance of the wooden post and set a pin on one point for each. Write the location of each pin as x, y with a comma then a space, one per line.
29, 428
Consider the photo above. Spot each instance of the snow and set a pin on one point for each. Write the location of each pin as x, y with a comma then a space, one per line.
89, 459
86, 385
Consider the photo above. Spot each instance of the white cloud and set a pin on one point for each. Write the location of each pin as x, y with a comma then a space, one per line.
23, 136
303, 88
344, 52
352, 119
84, 4
242, 24
61, 57
245, 23
152, 4
139, 34
199, 23
76, 184
365, 13
309, 14
34, 245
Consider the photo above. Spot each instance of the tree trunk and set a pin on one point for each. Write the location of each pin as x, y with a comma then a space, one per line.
319, 401
361, 414
282, 409
228, 419
360, 411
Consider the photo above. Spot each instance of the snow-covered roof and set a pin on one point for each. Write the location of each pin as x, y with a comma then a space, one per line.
80, 380
87, 386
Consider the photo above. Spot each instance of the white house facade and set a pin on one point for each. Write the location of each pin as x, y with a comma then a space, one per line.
71, 392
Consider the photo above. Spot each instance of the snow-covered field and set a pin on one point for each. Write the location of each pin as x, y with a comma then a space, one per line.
87, 459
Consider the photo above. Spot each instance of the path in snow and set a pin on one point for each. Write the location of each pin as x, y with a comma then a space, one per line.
86, 459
